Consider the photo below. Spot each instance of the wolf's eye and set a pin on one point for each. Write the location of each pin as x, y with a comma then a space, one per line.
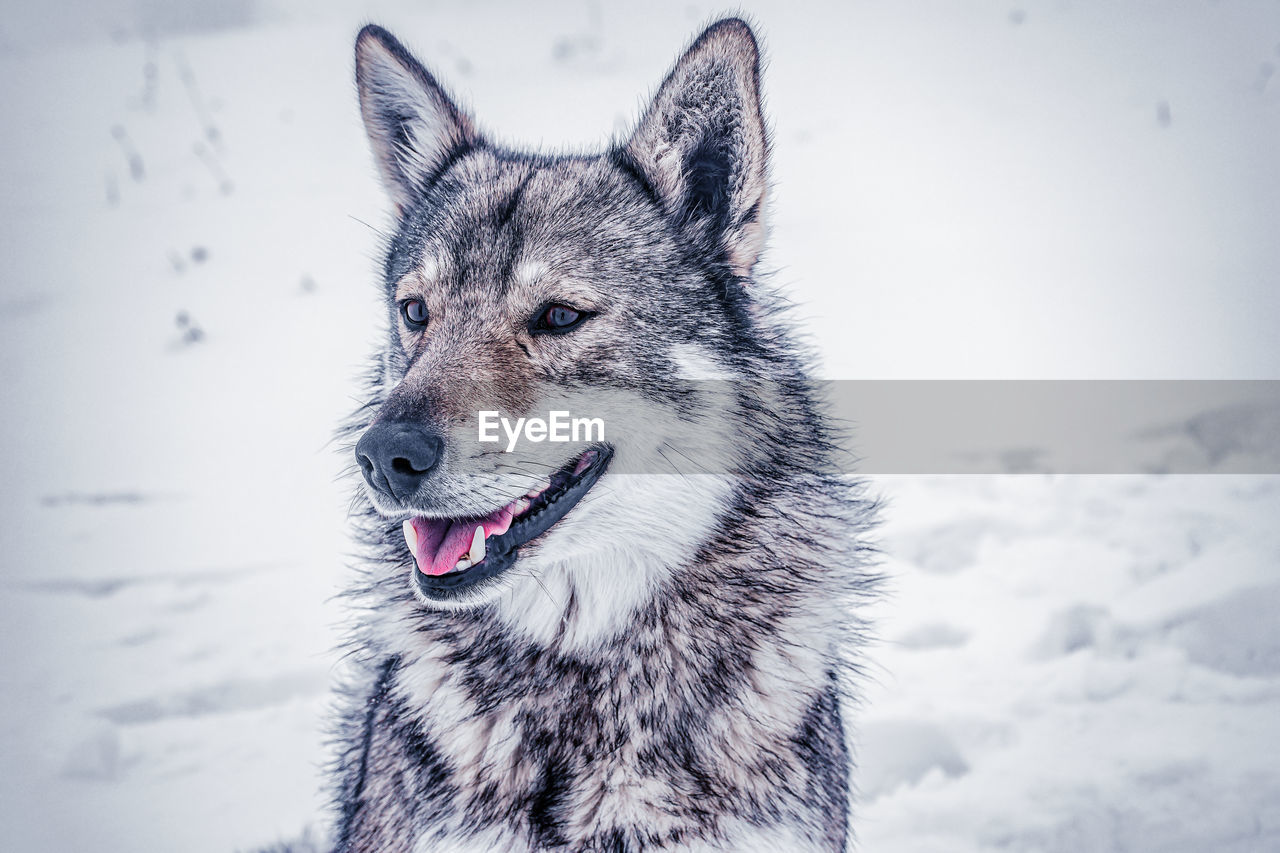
557, 319
414, 312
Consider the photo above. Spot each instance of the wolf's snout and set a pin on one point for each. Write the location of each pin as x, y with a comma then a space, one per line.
396, 457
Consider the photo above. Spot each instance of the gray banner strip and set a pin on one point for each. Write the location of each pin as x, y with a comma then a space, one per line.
1061, 427
681, 427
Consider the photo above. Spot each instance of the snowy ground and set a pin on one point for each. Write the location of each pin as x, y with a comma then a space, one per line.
964, 190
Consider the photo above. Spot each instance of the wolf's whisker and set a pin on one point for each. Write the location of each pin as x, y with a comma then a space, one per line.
674, 467
375, 229
684, 456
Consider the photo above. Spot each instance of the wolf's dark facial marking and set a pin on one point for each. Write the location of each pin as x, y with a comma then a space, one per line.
640, 641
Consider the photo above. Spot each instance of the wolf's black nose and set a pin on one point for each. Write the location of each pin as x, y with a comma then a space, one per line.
397, 456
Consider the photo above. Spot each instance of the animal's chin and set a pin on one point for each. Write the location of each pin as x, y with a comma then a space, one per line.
457, 556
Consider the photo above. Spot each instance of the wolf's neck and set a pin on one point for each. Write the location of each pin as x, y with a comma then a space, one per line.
573, 608
702, 690
769, 640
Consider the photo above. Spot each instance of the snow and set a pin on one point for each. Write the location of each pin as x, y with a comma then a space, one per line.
1092, 667
963, 190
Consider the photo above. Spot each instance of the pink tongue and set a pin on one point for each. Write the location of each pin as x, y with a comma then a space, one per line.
442, 542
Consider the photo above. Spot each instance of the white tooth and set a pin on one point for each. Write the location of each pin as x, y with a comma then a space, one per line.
411, 537
477, 546
462, 566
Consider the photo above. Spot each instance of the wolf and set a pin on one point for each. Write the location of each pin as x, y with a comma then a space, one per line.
645, 638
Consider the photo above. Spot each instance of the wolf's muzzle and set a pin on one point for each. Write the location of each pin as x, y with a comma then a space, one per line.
396, 457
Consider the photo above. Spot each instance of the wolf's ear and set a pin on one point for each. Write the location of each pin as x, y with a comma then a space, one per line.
413, 125
702, 144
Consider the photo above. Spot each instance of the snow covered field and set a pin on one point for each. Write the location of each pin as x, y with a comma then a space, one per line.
964, 190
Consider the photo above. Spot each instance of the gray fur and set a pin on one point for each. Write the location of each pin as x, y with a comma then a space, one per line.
669, 668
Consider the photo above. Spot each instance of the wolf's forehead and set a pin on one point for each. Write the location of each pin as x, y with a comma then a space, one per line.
504, 226
528, 273
435, 268
503, 268
506, 253
532, 278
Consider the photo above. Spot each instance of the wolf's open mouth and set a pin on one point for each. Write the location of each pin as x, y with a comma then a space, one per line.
454, 554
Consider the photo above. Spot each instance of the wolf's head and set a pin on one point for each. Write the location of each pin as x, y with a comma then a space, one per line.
614, 289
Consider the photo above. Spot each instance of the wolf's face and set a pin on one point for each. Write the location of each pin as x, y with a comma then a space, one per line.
599, 287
